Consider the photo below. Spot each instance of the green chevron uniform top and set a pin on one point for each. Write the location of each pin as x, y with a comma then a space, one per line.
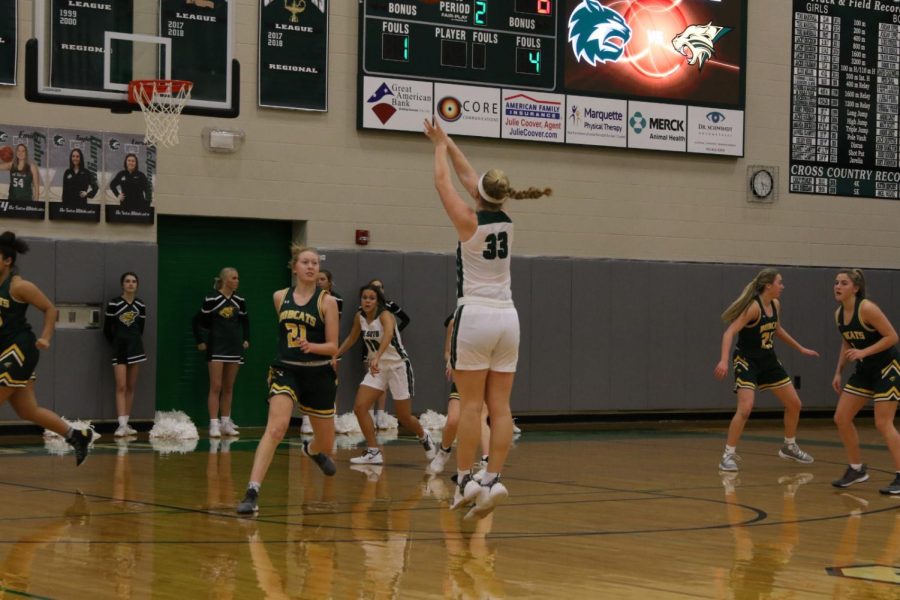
861, 336
124, 328
298, 323
223, 325
877, 376
18, 353
12, 313
21, 185
758, 338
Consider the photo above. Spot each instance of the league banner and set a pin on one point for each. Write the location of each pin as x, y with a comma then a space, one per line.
77, 38
293, 54
129, 172
23, 156
8, 42
75, 160
199, 32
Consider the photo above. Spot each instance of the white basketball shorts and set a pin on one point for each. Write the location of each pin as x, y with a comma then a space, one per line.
396, 376
485, 337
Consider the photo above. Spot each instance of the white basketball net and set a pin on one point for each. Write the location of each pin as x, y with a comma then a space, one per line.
161, 102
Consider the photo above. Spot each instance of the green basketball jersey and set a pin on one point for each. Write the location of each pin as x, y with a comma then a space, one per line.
20, 186
298, 323
860, 335
12, 313
759, 337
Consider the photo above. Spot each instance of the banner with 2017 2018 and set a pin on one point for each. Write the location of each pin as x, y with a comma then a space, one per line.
74, 173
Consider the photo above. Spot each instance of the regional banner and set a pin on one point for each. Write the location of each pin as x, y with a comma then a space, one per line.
78, 45
200, 47
293, 54
7, 42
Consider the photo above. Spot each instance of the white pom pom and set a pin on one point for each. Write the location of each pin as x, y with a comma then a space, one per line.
173, 425
432, 420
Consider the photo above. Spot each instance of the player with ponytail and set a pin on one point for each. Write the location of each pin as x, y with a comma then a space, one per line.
484, 347
755, 318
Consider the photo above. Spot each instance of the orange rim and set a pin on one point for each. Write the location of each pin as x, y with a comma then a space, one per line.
146, 88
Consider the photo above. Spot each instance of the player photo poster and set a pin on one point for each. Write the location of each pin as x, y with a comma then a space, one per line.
129, 170
293, 54
72, 175
23, 156
8, 42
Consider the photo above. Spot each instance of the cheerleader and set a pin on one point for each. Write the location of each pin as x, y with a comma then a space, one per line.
124, 329
222, 331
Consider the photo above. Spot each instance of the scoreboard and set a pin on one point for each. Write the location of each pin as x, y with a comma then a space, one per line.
654, 74
494, 42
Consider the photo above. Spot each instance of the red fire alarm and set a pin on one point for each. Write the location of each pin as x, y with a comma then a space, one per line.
362, 237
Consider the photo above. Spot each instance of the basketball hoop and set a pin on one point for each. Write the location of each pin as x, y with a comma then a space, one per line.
161, 101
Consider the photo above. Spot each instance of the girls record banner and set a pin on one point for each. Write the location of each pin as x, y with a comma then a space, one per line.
75, 159
23, 154
8, 42
293, 54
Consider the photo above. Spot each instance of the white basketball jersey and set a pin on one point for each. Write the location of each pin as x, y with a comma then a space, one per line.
372, 334
482, 261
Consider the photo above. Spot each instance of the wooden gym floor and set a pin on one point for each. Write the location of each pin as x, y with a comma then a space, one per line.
626, 511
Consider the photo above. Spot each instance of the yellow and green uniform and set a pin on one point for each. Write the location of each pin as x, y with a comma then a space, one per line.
223, 325
21, 185
124, 328
308, 379
755, 364
18, 353
876, 376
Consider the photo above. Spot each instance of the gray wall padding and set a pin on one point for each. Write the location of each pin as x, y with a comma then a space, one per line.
75, 375
597, 335
607, 335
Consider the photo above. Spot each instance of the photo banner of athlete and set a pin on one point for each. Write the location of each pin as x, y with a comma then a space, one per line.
8, 26
26, 150
665, 75
129, 173
293, 54
76, 157
74, 172
200, 41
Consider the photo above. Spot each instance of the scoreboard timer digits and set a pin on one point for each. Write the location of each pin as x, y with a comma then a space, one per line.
487, 42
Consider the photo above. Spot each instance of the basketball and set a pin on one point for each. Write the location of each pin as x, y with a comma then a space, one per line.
6, 153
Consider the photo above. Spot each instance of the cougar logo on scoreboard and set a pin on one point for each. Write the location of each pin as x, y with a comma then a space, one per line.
697, 42
597, 33
113, 144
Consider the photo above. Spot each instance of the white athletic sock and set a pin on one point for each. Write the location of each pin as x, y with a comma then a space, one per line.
856, 467
489, 478
730, 449
213, 422
378, 411
123, 421
225, 418
254, 485
374, 450
460, 473
791, 440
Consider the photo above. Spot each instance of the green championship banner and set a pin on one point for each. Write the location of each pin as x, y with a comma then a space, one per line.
78, 46
7, 42
199, 32
293, 54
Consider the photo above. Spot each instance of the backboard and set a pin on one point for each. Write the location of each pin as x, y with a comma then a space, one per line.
85, 52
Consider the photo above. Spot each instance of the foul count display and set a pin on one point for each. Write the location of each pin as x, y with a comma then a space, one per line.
485, 41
